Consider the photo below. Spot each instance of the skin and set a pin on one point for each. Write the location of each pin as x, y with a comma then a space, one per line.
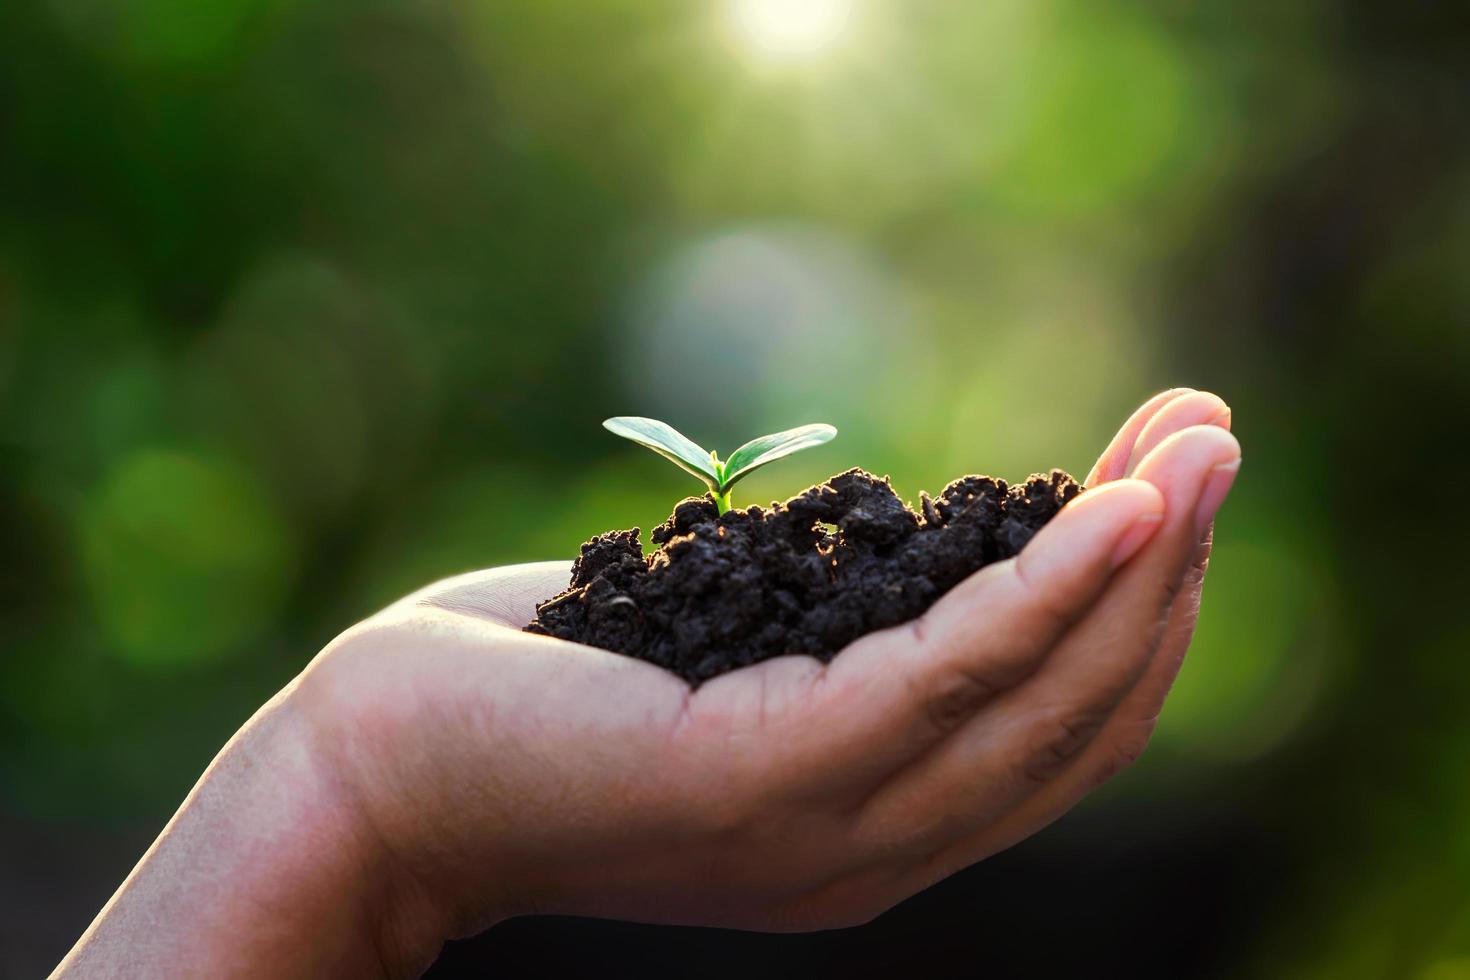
434, 770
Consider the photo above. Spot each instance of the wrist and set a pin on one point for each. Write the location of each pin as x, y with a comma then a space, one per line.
435, 818
266, 869
351, 852
307, 875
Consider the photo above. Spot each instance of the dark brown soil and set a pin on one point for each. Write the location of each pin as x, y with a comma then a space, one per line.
808, 576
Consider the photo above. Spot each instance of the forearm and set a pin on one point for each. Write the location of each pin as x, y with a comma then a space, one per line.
265, 870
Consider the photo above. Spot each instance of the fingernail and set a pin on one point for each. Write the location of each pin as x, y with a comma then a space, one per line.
1135, 537
1216, 487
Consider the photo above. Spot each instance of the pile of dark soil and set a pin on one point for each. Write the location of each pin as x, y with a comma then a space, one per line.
808, 576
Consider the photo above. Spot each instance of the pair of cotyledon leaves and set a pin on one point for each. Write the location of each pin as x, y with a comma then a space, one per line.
703, 463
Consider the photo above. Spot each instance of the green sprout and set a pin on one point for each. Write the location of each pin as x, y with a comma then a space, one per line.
719, 476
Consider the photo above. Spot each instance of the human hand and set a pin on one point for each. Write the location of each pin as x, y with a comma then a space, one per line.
480, 772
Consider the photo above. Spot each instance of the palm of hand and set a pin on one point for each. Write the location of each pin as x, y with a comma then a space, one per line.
509, 773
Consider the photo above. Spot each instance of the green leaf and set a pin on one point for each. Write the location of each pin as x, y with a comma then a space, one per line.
669, 443
767, 449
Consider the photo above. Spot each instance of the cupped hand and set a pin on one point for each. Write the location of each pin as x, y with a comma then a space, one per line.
435, 769
503, 773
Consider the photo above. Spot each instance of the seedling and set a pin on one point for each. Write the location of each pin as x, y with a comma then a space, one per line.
703, 463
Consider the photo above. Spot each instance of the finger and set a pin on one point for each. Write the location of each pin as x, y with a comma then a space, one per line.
1113, 463
1126, 735
1188, 408
1143, 704
1194, 408
891, 695
506, 596
1024, 740
1191, 408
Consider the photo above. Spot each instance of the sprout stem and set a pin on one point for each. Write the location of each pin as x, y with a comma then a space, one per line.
722, 501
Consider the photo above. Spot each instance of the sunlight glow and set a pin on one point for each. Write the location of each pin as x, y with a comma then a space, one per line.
790, 30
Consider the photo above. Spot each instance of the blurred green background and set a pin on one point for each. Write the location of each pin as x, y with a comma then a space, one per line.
304, 304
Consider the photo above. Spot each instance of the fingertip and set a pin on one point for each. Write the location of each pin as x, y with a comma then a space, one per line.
1203, 440
1169, 394
1158, 402
1139, 509
1180, 464
1194, 408
1099, 529
1138, 535
1216, 489
1113, 463
1119, 495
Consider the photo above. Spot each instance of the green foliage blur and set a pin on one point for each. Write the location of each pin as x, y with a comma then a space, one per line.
304, 304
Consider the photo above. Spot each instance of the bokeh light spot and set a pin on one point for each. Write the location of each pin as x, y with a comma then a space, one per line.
185, 557
782, 30
752, 324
